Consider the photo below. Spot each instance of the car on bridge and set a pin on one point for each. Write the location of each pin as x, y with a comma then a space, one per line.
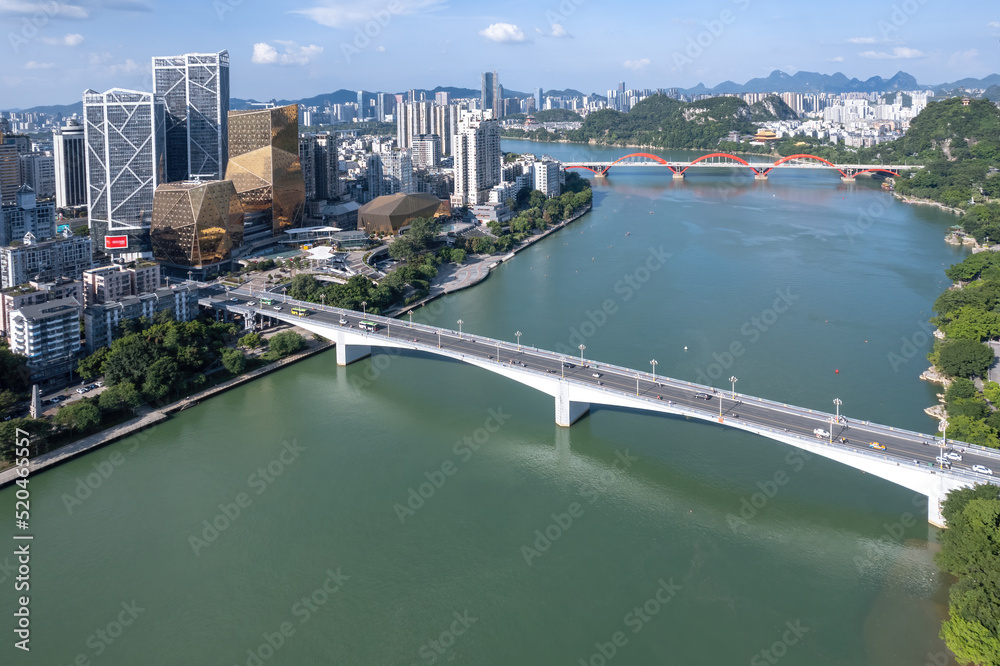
819, 432
703, 396
597, 374
942, 460
982, 469
952, 455
877, 446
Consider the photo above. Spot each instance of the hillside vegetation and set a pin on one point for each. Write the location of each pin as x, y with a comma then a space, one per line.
664, 122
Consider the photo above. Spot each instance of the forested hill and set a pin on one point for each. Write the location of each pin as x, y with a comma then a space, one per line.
667, 123
959, 144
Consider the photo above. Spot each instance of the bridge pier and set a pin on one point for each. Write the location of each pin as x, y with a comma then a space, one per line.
847, 179
678, 175
568, 411
759, 176
347, 354
934, 517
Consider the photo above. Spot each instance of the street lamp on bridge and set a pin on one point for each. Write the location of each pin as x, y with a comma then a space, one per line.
322, 297
519, 334
837, 402
364, 308
653, 363
733, 380
411, 318
637, 383
944, 442
284, 294
582, 347
460, 329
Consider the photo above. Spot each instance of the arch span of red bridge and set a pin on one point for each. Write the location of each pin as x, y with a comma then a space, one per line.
761, 169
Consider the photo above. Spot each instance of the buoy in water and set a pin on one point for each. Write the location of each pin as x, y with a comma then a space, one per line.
836, 372
685, 348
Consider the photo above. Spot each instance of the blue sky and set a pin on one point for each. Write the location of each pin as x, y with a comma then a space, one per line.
54, 49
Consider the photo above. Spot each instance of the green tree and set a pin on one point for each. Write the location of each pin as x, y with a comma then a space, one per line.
80, 416
234, 361
37, 429
119, 398
128, 360
13, 369
285, 343
458, 256
7, 400
250, 341
964, 358
991, 390
970, 550
161, 379
90, 366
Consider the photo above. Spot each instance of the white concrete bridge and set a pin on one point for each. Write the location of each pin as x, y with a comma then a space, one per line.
908, 458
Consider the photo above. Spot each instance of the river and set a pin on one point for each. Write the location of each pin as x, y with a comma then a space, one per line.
409, 510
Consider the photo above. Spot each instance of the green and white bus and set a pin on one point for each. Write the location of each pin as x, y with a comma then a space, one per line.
367, 325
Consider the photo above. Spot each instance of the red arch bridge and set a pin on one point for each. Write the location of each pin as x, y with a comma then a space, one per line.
727, 160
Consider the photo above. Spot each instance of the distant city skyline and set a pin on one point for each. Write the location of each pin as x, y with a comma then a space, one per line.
305, 47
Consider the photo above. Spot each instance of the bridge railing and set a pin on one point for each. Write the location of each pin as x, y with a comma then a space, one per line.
821, 416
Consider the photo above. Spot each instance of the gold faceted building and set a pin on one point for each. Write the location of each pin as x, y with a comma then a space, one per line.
196, 223
264, 166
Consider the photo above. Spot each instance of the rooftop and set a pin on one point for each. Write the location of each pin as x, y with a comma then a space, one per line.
50, 309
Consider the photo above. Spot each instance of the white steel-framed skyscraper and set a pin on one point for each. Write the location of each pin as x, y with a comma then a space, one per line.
195, 90
124, 132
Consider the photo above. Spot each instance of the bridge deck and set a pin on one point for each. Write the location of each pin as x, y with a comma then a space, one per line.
904, 447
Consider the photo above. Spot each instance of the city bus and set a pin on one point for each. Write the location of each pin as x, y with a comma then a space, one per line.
300, 312
267, 301
367, 325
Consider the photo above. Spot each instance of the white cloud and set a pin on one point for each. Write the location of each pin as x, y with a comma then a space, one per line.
380, 49
72, 39
265, 54
31, 64
503, 33
898, 53
993, 24
636, 65
349, 13
49, 9
862, 40
837, 59
558, 31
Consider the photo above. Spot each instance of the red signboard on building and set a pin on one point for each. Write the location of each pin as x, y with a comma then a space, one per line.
115, 242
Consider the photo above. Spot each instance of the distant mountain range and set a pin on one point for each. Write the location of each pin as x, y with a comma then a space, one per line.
813, 82
777, 81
